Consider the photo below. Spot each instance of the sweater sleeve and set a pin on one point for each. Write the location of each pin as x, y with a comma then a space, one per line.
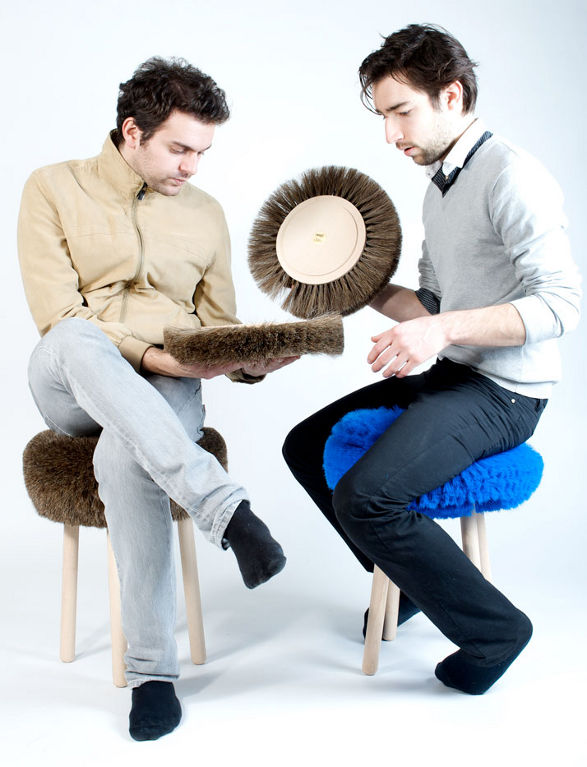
526, 212
50, 280
429, 294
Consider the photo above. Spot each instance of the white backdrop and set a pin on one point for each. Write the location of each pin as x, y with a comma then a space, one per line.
289, 70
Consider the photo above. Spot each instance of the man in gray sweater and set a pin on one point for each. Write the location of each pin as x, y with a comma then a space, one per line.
497, 288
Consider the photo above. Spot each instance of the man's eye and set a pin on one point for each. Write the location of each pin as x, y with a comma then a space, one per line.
176, 151
405, 114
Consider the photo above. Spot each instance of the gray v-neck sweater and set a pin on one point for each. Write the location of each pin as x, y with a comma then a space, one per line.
498, 236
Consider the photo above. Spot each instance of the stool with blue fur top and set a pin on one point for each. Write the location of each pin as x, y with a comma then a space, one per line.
498, 482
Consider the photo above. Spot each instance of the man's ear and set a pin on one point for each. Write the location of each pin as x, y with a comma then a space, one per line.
131, 133
452, 96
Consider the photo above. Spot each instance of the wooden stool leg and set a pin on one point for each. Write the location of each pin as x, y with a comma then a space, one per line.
118, 639
391, 612
375, 622
483, 546
69, 592
191, 588
470, 538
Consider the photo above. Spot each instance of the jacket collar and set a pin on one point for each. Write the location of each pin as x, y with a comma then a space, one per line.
115, 169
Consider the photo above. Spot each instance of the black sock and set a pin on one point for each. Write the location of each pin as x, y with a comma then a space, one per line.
258, 554
459, 672
155, 710
407, 609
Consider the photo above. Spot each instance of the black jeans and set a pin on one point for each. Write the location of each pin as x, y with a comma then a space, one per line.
453, 417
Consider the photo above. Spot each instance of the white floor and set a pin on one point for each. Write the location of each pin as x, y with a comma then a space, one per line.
282, 684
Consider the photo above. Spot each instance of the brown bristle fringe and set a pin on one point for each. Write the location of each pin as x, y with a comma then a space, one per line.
372, 271
59, 476
255, 343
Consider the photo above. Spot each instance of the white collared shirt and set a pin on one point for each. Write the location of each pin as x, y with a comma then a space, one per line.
458, 154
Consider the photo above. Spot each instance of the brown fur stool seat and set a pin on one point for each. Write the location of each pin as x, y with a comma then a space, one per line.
59, 477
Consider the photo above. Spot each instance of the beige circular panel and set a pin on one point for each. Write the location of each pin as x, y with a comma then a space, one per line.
321, 239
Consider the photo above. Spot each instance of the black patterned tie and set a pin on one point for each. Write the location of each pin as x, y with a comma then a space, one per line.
443, 182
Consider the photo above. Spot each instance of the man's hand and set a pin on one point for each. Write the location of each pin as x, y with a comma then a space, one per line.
270, 366
410, 343
162, 363
407, 345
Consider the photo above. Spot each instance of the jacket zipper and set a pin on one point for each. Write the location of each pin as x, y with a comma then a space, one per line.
133, 215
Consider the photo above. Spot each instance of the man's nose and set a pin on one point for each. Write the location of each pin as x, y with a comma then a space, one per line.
189, 164
392, 131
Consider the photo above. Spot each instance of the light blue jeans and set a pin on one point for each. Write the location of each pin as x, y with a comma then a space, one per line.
145, 455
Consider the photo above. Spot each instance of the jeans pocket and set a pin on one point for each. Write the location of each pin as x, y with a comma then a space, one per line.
529, 412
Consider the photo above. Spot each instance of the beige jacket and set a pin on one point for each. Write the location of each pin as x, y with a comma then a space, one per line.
94, 244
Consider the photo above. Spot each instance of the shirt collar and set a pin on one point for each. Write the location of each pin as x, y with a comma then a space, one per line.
115, 168
458, 154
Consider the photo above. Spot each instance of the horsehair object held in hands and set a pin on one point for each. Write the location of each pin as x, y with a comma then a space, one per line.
332, 239
255, 343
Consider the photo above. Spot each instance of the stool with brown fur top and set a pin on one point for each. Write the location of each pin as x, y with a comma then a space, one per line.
59, 477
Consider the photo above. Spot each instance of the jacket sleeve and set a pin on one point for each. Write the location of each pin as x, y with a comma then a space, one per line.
214, 298
51, 282
526, 211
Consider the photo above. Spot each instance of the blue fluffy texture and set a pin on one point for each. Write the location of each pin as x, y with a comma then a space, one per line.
501, 481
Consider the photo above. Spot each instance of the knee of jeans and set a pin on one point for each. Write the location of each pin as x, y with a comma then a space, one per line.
350, 502
68, 329
68, 333
356, 502
290, 447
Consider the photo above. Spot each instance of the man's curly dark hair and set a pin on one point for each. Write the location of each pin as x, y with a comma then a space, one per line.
161, 86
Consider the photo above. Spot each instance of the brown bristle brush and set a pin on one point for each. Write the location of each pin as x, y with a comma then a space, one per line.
332, 239
255, 343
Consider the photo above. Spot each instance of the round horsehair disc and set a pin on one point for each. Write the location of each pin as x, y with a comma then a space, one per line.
321, 239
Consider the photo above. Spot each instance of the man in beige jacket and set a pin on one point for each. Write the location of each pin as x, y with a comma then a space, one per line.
112, 250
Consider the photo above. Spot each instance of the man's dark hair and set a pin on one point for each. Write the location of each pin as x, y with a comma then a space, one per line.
424, 56
159, 87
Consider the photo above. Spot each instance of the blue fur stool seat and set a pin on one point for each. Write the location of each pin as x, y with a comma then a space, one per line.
501, 481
